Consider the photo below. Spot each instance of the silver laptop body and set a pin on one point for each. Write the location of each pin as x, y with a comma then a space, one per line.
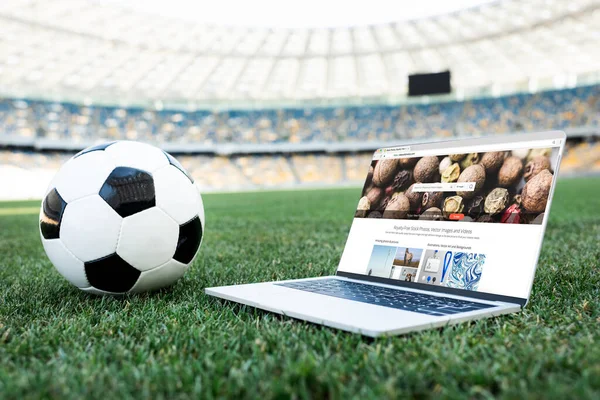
434, 241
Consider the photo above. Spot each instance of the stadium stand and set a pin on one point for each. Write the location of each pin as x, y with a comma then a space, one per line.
69, 127
558, 109
30, 171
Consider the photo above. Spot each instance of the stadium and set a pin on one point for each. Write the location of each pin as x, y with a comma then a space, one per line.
277, 126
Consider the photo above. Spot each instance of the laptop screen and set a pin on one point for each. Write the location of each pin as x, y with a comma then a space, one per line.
465, 215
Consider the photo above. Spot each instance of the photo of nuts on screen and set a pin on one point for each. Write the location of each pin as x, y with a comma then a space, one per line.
510, 187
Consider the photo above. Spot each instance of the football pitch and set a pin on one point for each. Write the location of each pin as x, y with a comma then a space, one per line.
56, 341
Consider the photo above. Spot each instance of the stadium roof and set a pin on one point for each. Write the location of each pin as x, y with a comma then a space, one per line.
97, 51
297, 14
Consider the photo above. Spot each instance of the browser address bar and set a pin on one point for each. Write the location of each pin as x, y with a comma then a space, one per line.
444, 187
474, 149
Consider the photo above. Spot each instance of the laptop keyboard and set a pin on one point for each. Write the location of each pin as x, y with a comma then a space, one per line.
382, 296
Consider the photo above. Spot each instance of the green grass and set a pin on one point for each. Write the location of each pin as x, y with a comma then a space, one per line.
56, 341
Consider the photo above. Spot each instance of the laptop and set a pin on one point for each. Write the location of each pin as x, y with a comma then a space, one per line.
443, 233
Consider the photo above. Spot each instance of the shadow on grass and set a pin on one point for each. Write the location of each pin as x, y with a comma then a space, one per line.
66, 300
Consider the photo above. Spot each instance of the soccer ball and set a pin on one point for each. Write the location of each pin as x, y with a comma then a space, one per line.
122, 217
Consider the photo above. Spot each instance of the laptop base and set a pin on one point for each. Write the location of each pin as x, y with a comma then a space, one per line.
352, 316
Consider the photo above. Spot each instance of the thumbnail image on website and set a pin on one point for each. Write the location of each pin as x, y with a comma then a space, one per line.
509, 186
394, 262
453, 269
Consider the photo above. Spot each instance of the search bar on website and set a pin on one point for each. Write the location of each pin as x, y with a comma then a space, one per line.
444, 187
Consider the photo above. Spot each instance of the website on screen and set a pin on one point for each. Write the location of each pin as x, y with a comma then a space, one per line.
464, 218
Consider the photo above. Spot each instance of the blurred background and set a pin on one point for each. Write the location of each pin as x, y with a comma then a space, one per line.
266, 94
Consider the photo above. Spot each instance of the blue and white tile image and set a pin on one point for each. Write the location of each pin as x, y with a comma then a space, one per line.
466, 271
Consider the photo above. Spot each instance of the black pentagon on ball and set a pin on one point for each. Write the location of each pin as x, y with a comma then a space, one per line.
190, 235
129, 191
173, 161
53, 208
111, 274
98, 147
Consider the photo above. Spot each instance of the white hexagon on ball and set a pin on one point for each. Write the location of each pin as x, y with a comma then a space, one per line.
66, 263
83, 175
161, 276
148, 239
90, 228
176, 195
137, 155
